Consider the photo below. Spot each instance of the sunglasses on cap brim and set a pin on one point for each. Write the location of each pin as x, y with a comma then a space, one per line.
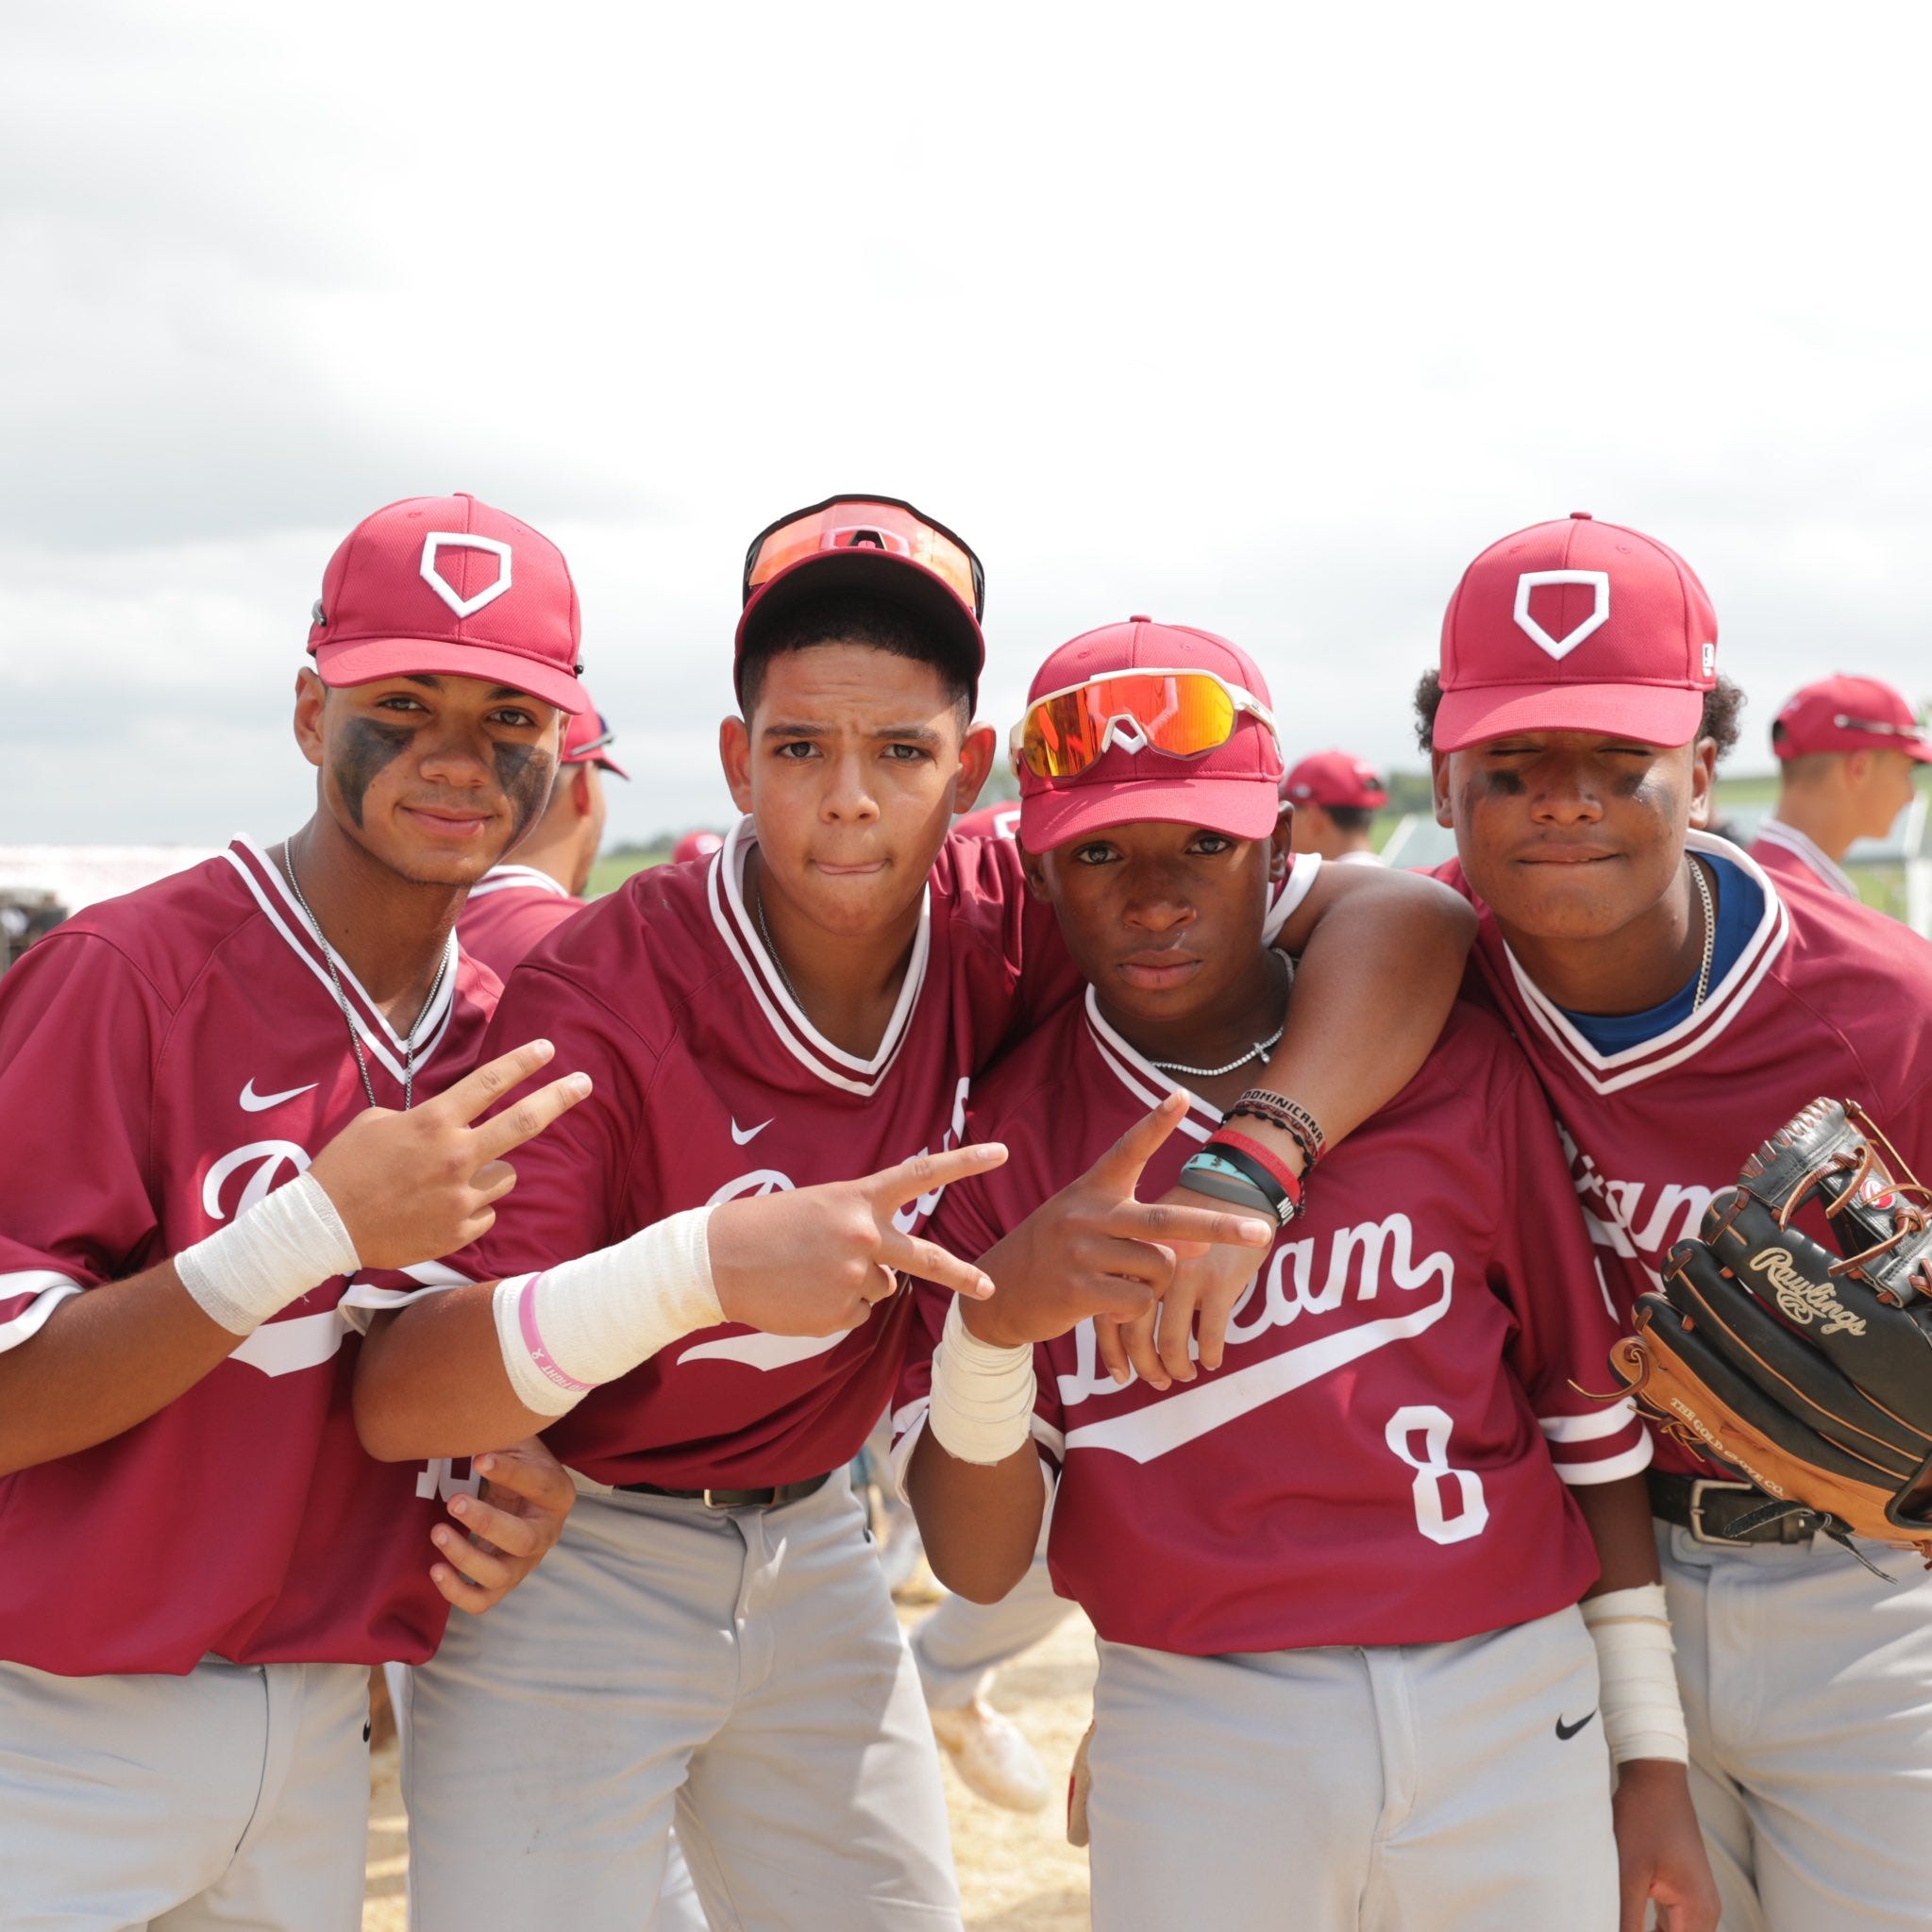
1878, 725
856, 523
1182, 713
591, 747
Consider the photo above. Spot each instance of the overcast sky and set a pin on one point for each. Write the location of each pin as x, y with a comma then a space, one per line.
1260, 320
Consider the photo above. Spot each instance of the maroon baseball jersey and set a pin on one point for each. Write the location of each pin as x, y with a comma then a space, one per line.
1787, 853
989, 821
1381, 1457
1828, 997
712, 1084
508, 910
165, 1059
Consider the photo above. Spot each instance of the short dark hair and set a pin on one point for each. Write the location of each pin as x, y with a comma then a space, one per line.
852, 617
1724, 705
1350, 817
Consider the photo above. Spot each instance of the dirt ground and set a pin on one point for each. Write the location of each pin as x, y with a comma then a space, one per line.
1016, 1875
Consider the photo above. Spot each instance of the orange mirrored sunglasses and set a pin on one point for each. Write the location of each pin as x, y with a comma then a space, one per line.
882, 523
1183, 713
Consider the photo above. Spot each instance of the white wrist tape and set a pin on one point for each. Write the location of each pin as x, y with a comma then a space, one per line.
983, 1395
289, 1242
587, 1322
1643, 1715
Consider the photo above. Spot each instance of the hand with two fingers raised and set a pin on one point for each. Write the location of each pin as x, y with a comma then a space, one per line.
1201, 1294
813, 1261
1097, 1250
411, 1186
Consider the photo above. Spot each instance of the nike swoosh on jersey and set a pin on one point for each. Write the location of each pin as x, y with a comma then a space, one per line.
1564, 1731
746, 1135
253, 1102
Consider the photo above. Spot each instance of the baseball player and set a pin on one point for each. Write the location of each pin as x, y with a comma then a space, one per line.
696, 845
1847, 751
1335, 797
515, 903
809, 1006
225, 1096
1335, 1577
1678, 1003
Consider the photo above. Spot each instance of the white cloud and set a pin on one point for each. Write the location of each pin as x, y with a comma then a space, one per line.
1263, 323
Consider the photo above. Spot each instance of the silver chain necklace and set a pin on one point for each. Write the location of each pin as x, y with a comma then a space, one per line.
1259, 1050
1710, 932
771, 950
342, 998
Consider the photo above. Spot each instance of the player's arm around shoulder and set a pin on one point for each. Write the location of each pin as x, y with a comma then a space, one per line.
1381, 956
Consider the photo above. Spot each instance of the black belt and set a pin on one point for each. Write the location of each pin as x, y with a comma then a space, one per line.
734, 1498
1709, 1509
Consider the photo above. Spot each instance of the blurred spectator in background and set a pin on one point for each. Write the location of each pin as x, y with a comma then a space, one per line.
1335, 797
1847, 750
696, 845
515, 905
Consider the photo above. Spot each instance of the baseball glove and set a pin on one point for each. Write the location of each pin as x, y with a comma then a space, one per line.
1807, 1371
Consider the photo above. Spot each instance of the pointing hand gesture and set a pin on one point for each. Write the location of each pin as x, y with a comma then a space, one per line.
410, 1187
1096, 1249
814, 1260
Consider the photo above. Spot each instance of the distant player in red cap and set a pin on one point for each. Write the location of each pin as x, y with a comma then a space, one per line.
1847, 751
807, 1008
696, 845
226, 1097
1335, 1572
1335, 797
523, 898
1679, 1003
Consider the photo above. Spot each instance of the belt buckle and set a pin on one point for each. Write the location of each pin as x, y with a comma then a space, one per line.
1698, 1486
707, 1495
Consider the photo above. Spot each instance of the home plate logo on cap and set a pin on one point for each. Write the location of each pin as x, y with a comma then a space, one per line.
1597, 580
459, 540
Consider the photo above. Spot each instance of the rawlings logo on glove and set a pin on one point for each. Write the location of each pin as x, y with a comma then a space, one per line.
1808, 1371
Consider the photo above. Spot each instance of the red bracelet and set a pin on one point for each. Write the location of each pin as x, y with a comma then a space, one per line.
1286, 1177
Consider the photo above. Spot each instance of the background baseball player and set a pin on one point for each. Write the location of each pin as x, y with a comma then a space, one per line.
696, 845
1848, 749
201, 1564
1678, 1006
1343, 1679
810, 1005
1335, 797
517, 902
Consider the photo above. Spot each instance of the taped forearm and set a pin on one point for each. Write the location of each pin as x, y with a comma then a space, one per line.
573, 1327
983, 1395
1644, 1714
289, 1242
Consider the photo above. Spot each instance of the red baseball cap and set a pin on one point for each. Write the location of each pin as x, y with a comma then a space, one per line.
1576, 626
1233, 789
696, 845
1844, 713
879, 546
588, 740
447, 585
1335, 777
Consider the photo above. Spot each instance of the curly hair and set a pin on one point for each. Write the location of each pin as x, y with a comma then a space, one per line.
1723, 706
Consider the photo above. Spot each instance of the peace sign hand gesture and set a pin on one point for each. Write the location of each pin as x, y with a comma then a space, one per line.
410, 1187
1096, 1249
814, 1260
